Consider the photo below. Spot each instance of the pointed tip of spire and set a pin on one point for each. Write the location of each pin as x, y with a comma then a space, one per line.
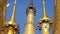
13, 12
43, 1
44, 9
31, 2
15, 2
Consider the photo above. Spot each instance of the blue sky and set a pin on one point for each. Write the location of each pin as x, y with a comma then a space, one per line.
20, 15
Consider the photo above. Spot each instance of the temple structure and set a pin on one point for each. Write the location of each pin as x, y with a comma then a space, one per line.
56, 24
29, 26
2, 14
44, 23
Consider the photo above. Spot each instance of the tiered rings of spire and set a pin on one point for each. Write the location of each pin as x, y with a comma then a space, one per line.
11, 27
31, 7
44, 22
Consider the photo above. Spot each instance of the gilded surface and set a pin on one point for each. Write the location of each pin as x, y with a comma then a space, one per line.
1, 20
29, 26
2, 15
56, 28
10, 30
11, 27
45, 28
3, 2
45, 21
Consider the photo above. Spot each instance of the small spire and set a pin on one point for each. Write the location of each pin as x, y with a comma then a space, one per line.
44, 9
31, 2
13, 12
12, 23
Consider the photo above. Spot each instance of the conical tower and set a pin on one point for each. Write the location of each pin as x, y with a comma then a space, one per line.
11, 27
29, 26
2, 15
44, 22
56, 24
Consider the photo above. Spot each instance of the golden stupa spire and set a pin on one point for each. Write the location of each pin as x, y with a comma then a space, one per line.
44, 9
13, 13
44, 22
11, 27
29, 26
